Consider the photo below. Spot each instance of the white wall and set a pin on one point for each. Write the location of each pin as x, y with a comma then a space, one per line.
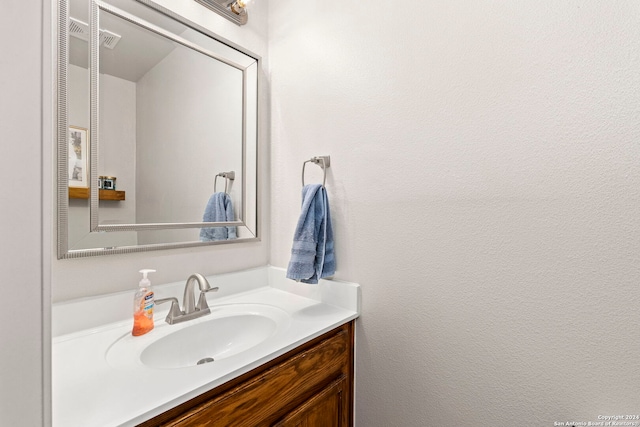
24, 249
169, 191
485, 192
118, 116
93, 276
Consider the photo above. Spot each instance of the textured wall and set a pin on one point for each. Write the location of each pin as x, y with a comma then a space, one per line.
485, 192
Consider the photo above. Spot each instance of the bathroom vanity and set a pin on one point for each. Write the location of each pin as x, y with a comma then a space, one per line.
283, 356
311, 385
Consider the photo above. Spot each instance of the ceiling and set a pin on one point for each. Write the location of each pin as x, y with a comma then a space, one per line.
138, 50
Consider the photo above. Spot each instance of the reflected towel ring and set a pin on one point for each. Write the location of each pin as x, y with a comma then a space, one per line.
323, 161
228, 176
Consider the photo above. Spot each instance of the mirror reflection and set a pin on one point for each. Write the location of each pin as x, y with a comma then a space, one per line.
174, 143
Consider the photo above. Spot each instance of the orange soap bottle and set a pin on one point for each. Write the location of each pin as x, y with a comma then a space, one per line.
143, 304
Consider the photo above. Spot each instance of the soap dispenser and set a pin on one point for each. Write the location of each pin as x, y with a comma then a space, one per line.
143, 304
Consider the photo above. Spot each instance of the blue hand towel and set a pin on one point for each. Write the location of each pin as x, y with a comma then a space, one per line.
219, 208
312, 255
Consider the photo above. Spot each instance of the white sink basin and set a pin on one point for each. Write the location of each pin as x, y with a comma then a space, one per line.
229, 330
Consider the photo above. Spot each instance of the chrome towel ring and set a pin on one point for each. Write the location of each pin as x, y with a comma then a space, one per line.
323, 161
228, 176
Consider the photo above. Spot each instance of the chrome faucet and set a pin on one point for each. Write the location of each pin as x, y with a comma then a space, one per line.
190, 309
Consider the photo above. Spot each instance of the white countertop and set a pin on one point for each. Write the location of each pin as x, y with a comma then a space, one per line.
90, 392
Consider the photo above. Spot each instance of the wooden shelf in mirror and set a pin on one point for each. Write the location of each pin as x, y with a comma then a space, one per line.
83, 193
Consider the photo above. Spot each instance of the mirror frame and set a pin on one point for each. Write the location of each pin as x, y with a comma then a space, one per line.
62, 133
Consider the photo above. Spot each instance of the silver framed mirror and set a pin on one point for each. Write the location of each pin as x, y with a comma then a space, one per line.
152, 111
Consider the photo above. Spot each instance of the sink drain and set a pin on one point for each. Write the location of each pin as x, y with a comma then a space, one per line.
205, 360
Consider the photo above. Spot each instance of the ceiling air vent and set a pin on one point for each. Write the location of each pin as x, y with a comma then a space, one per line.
109, 39
80, 30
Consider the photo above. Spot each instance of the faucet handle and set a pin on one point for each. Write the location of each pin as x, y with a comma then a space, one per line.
174, 311
202, 300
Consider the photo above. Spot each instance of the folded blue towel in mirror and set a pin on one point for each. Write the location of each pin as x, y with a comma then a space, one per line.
312, 254
219, 209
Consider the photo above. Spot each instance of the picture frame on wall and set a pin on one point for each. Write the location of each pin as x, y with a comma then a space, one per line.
78, 157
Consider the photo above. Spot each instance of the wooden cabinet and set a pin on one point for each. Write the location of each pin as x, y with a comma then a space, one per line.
310, 386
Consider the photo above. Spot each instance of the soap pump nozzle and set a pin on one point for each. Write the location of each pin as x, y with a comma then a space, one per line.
144, 282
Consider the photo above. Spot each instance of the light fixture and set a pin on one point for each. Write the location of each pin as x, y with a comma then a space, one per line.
234, 10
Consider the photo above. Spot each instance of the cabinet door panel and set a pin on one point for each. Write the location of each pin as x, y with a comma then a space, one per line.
328, 408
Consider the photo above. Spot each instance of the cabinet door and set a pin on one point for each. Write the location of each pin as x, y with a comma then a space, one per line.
328, 408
